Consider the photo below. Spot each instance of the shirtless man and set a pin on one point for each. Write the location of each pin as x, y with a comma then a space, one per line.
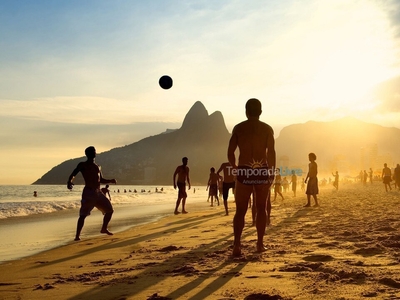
213, 182
183, 176
227, 183
254, 170
386, 176
312, 184
91, 195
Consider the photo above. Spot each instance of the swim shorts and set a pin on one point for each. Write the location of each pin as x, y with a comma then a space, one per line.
253, 176
92, 198
181, 189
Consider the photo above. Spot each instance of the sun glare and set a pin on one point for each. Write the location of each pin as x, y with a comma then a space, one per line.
356, 55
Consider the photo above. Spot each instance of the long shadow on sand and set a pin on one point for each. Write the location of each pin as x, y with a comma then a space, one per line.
115, 243
154, 273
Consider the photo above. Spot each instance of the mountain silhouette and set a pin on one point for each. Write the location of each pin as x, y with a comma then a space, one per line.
347, 145
203, 138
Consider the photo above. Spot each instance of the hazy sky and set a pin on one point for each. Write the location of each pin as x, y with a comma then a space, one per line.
80, 73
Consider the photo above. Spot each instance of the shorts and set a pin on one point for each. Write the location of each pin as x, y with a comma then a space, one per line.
213, 190
181, 189
312, 186
225, 189
94, 198
387, 179
253, 176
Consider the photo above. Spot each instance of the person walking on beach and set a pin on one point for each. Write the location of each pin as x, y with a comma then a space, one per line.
182, 172
278, 184
386, 176
228, 182
213, 182
312, 184
293, 181
255, 170
397, 176
336, 181
371, 175
91, 195
106, 191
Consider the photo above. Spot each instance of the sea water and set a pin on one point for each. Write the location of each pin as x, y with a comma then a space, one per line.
30, 224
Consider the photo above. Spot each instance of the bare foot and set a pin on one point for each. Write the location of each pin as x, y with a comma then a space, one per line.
77, 239
261, 248
236, 251
184, 212
316, 204
307, 205
106, 232
268, 221
176, 212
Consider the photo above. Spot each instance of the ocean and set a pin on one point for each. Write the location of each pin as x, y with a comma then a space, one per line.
34, 224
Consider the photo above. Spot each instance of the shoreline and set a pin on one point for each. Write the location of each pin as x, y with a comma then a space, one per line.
347, 248
58, 228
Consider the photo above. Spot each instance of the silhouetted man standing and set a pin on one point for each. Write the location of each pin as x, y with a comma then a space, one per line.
254, 170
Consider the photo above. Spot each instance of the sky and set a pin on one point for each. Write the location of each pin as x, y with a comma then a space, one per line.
80, 73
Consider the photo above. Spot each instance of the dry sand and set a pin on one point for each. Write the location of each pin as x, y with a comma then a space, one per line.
348, 248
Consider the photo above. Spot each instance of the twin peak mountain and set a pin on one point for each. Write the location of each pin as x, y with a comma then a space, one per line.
347, 145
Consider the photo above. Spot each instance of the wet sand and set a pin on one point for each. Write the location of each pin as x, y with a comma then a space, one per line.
348, 248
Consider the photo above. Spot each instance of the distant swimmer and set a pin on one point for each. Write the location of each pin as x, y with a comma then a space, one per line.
182, 172
386, 176
312, 184
91, 195
106, 191
254, 170
227, 183
34, 194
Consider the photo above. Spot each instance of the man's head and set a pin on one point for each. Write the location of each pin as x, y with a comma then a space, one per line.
185, 160
253, 108
90, 152
312, 156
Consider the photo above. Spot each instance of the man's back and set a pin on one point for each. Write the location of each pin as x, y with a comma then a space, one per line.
252, 137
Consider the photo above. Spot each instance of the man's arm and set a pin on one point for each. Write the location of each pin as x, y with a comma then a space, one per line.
271, 154
72, 176
231, 148
174, 177
188, 178
103, 180
220, 168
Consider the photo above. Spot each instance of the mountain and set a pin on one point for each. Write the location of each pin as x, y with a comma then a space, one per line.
203, 138
347, 145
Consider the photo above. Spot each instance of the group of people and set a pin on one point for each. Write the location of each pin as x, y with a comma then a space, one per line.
252, 174
387, 177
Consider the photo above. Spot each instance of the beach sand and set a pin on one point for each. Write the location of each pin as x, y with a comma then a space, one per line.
348, 248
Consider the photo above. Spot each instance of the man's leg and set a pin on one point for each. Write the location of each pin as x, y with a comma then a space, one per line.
308, 200
178, 202
183, 205
106, 220
79, 227
261, 196
269, 208
242, 195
